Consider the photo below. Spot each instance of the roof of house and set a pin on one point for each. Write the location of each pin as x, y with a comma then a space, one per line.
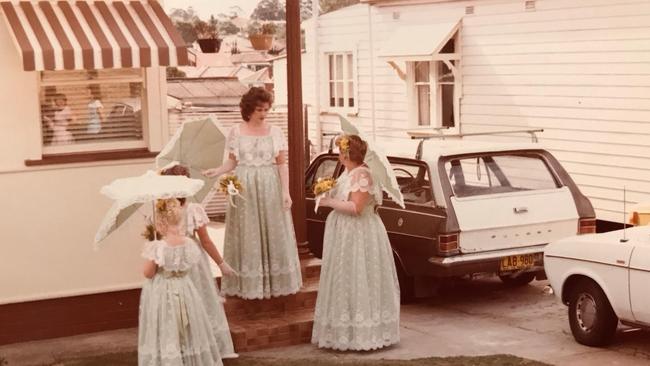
207, 91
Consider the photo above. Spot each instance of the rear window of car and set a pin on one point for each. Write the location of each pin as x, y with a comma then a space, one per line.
493, 174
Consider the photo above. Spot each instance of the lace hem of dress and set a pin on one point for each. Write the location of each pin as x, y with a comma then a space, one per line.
171, 352
250, 288
366, 339
274, 271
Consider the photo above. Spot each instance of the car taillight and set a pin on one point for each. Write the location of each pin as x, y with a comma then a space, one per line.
447, 243
586, 226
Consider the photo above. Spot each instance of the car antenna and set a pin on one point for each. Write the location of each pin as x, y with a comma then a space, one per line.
625, 239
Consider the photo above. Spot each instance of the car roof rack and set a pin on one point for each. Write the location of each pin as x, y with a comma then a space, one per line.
437, 134
330, 149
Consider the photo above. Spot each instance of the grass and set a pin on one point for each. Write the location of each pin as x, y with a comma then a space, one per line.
130, 359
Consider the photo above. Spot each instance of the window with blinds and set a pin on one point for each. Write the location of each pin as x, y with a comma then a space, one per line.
92, 110
342, 93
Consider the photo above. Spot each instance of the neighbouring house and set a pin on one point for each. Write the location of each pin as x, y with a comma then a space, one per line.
84, 101
578, 69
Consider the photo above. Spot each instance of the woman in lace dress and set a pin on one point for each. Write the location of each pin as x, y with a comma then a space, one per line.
260, 242
174, 327
358, 296
196, 221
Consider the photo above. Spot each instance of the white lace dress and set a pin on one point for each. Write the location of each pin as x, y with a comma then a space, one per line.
174, 327
260, 243
358, 297
206, 285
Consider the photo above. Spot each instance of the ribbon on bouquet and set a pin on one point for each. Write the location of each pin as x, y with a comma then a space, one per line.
232, 192
317, 201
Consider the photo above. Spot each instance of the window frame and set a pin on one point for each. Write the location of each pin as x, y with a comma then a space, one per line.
435, 88
97, 149
325, 84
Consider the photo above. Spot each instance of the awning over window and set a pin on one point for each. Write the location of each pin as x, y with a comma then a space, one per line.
418, 42
69, 35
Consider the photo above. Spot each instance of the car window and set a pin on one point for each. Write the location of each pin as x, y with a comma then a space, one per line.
491, 174
414, 182
326, 168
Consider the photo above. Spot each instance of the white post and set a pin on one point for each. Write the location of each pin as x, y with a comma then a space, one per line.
372, 76
315, 10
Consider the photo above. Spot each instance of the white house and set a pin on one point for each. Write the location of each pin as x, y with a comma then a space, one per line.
59, 61
578, 69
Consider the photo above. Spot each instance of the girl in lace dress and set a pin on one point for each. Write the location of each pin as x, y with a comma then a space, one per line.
174, 327
260, 242
358, 296
196, 221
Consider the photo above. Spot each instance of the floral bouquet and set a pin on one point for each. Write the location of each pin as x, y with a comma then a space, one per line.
230, 185
321, 189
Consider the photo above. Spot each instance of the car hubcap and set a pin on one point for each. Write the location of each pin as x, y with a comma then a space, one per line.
586, 312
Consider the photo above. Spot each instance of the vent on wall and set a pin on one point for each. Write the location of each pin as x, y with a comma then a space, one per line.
529, 5
469, 10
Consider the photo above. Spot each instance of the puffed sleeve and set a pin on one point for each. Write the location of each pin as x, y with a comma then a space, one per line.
196, 217
279, 141
361, 180
232, 142
153, 250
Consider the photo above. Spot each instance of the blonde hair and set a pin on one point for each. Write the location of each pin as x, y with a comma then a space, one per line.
168, 212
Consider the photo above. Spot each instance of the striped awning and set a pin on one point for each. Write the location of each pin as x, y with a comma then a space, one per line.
77, 35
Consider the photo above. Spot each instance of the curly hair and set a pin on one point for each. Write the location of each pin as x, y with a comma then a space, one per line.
177, 169
357, 148
169, 211
252, 99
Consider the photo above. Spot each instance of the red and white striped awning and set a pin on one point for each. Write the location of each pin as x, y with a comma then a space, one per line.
75, 35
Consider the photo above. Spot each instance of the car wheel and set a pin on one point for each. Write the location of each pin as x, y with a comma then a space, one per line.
591, 317
517, 280
406, 284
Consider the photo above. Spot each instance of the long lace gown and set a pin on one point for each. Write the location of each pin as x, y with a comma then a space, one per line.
358, 296
174, 327
260, 242
204, 281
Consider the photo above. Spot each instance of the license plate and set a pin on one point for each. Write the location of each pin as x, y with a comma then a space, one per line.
518, 262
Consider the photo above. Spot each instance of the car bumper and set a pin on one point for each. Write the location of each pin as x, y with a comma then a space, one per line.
484, 262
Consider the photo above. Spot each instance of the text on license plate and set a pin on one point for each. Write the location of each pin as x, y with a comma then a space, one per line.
517, 262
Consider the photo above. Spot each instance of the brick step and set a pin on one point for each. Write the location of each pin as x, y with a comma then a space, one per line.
310, 268
240, 309
286, 329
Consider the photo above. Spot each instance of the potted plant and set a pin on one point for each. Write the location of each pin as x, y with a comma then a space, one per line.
261, 36
208, 35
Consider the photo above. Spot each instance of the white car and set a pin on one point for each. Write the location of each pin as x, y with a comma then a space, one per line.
604, 279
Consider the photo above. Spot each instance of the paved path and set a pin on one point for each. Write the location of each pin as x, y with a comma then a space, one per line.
473, 318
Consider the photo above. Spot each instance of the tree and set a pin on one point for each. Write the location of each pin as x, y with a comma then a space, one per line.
187, 31
327, 6
227, 27
269, 10
174, 72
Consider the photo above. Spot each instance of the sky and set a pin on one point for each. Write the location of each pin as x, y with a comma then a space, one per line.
207, 7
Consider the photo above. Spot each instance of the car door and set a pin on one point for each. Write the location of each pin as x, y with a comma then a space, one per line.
508, 200
412, 230
325, 165
640, 278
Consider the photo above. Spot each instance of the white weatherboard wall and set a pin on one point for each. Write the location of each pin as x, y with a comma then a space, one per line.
579, 69
49, 214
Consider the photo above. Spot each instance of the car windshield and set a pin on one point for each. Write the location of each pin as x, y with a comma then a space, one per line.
492, 174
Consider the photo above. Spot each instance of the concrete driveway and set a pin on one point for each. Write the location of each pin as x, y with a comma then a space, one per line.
480, 317
484, 317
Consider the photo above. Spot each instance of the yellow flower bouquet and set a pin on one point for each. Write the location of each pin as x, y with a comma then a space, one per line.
231, 186
321, 188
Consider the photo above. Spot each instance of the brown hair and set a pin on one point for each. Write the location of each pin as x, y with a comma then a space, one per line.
177, 170
253, 98
357, 149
